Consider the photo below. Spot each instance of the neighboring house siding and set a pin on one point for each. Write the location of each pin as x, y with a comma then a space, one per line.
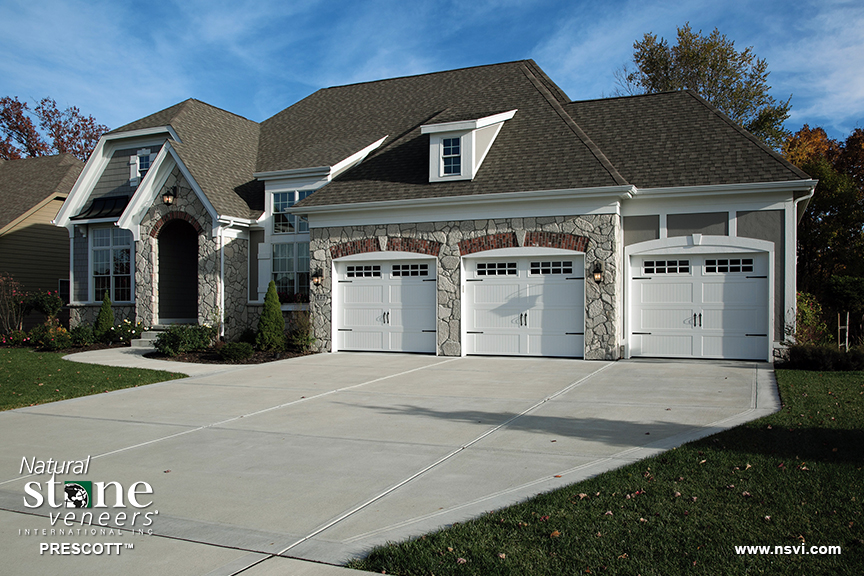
35, 252
768, 225
707, 223
115, 179
81, 270
641, 228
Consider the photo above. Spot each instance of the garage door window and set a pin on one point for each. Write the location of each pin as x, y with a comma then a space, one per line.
410, 270
553, 267
728, 265
496, 269
666, 267
363, 271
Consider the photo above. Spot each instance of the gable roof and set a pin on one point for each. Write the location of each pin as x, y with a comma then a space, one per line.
28, 182
678, 139
219, 149
538, 149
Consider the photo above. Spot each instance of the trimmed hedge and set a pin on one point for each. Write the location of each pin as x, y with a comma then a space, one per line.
181, 338
822, 358
236, 351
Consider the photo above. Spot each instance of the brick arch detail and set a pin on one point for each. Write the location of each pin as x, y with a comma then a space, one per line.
354, 247
416, 245
489, 242
175, 215
557, 240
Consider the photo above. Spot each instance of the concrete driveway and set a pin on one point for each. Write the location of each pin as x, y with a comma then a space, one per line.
321, 457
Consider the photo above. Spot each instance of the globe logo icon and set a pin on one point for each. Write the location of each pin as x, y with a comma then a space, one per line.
76, 496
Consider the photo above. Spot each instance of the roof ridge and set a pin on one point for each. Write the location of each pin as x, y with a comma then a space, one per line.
577, 130
744, 132
380, 80
186, 102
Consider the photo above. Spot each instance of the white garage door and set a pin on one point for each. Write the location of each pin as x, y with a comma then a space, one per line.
704, 306
385, 306
525, 306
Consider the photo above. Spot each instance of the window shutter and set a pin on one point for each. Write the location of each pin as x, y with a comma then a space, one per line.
133, 171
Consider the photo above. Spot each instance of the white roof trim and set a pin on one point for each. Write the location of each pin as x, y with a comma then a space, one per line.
144, 132
612, 192
467, 124
328, 172
712, 189
293, 173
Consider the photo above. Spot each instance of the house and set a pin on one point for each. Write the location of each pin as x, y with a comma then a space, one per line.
32, 251
473, 211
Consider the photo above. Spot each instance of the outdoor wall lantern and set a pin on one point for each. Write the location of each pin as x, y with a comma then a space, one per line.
169, 196
317, 277
598, 271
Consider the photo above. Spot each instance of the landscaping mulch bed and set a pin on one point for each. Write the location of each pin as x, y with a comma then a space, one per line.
212, 357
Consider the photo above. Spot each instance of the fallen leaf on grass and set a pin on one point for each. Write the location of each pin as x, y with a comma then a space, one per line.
555, 534
502, 555
461, 561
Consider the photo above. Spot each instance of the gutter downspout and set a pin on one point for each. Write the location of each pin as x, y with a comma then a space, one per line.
221, 282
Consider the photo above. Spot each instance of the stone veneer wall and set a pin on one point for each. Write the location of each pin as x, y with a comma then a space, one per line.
81, 313
602, 231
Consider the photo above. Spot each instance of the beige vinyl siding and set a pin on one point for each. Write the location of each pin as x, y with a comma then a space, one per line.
34, 251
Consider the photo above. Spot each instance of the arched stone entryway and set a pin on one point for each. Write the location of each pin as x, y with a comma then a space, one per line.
178, 273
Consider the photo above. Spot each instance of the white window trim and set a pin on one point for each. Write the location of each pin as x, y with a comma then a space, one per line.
135, 165
473, 149
91, 282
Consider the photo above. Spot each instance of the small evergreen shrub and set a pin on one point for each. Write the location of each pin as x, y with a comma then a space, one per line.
300, 332
822, 358
180, 338
103, 329
82, 335
248, 336
236, 351
271, 325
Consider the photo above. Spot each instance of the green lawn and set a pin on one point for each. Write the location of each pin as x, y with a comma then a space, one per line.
28, 377
790, 479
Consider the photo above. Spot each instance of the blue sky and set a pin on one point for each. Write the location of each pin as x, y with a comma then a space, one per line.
120, 61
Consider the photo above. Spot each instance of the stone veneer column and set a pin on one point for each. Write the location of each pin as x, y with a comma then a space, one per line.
603, 301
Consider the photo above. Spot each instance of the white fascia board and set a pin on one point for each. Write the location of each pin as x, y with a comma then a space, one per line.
354, 159
721, 189
480, 207
465, 125
317, 171
96, 165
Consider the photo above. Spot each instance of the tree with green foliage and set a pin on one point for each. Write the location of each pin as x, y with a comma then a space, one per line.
103, 330
735, 82
271, 325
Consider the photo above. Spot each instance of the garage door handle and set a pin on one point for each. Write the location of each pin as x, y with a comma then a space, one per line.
700, 319
694, 320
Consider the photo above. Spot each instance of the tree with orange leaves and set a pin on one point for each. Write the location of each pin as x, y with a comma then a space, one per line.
62, 131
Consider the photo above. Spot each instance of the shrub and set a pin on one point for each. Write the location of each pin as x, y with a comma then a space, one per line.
300, 332
180, 338
810, 328
248, 336
126, 331
50, 336
48, 303
15, 338
13, 304
82, 335
236, 351
822, 358
103, 329
271, 325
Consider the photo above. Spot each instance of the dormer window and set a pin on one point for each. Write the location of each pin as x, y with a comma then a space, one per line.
457, 149
138, 166
451, 156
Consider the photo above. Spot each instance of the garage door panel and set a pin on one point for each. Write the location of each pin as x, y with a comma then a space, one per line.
412, 341
666, 292
358, 317
360, 294
413, 317
741, 347
659, 345
526, 307
489, 292
722, 301
555, 345
412, 294
725, 292
362, 340
665, 318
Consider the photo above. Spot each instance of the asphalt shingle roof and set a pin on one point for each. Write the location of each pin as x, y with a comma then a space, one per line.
219, 149
677, 139
27, 182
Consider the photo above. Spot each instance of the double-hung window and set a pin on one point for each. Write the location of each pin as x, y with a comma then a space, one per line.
451, 156
112, 264
291, 271
290, 258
